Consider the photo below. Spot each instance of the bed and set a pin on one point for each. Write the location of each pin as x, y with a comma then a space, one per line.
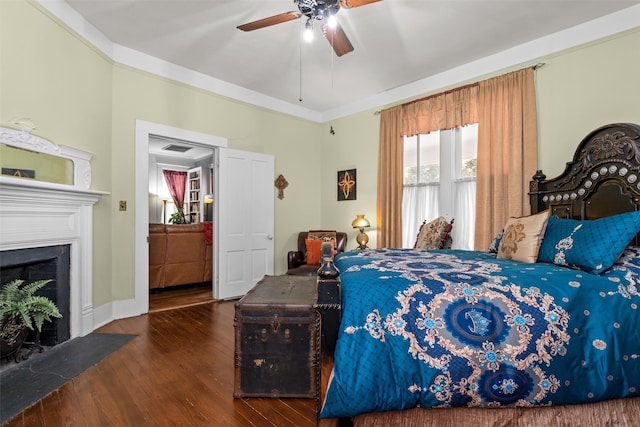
542, 329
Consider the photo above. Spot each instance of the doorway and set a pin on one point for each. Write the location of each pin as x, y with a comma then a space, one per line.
243, 229
145, 131
169, 286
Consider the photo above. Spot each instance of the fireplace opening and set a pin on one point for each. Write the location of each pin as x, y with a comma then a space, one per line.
50, 262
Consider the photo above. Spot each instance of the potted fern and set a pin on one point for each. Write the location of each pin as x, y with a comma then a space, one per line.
20, 311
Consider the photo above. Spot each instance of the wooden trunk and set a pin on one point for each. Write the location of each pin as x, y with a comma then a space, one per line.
276, 339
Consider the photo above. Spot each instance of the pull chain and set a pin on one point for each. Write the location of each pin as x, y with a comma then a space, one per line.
332, 55
300, 89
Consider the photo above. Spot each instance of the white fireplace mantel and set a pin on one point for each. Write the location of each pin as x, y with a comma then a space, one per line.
38, 214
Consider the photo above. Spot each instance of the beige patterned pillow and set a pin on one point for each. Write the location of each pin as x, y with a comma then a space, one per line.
522, 238
321, 234
432, 235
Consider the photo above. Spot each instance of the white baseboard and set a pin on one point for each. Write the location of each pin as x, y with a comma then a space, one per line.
114, 310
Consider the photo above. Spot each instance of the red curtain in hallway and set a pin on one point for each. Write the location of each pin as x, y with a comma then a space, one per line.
177, 184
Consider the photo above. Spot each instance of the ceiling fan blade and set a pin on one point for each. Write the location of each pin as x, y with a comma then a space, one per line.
338, 39
272, 20
347, 4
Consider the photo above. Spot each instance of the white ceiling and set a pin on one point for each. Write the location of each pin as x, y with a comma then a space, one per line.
397, 43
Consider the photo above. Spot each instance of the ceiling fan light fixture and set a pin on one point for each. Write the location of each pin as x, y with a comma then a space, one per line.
307, 34
332, 21
315, 10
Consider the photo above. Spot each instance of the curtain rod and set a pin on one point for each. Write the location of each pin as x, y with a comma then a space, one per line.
377, 112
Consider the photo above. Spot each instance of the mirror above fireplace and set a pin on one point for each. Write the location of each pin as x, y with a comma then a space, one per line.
29, 157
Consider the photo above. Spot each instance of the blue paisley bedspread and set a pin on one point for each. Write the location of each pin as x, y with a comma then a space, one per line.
462, 328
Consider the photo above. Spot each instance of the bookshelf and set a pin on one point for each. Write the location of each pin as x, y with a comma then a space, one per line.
195, 196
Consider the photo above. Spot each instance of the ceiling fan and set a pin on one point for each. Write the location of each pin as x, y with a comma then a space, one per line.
316, 10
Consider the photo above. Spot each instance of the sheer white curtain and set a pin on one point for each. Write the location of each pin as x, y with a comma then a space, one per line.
418, 203
421, 202
464, 215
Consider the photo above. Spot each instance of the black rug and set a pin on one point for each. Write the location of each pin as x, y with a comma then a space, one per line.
30, 380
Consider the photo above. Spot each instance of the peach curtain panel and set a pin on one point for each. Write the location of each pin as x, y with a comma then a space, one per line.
507, 151
505, 109
390, 179
446, 110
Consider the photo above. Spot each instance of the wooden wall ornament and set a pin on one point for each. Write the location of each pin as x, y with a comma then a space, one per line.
347, 185
281, 183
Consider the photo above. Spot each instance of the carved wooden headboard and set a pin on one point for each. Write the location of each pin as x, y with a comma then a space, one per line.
603, 179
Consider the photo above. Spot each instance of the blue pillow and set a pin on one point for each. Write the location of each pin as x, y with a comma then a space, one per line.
591, 245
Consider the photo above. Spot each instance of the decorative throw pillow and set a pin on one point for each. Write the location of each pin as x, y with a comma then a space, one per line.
313, 250
590, 245
432, 235
493, 247
522, 236
321, 234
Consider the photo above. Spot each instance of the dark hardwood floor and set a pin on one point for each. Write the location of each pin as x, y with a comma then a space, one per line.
180, 297
178, 371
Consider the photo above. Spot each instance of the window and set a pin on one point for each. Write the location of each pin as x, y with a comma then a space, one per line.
440, 179
168, 208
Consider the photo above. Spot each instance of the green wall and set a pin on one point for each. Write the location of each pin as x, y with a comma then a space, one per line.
583, 89
78, 97
353, 146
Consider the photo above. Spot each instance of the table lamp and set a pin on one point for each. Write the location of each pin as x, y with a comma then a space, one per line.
361, 223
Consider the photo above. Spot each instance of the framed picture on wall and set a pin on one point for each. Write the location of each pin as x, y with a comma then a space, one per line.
21, 173
347, 185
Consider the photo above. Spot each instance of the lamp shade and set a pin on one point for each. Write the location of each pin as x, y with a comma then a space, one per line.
360, 222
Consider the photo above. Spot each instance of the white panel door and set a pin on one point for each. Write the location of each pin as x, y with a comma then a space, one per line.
245, 221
